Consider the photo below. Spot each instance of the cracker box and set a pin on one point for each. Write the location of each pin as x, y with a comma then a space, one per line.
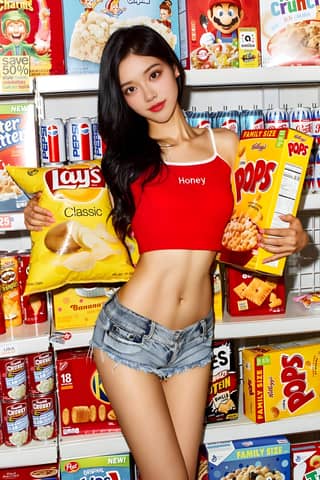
305, 461
79, 306
290, 33
281, 380
217, 34
264, 458
267, 181
222, 403
17, 147
105, 467
43, 472
31, 38
84, 405
89, 24
249, 294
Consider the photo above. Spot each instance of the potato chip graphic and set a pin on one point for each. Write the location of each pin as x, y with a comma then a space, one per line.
78, 194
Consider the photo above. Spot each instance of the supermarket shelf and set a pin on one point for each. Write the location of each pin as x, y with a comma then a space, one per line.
35, 453
310, 201
11, 222
79, 446
75, 338
54, 84
25, 339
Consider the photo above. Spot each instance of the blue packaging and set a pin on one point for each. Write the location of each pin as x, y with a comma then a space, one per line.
105, 467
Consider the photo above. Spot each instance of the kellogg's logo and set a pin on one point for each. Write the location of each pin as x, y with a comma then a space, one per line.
294, 382
254, 176
74, 178
297, 148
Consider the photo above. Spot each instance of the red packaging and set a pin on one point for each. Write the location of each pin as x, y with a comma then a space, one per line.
249, 294
2, 319
43, 416
218, 34
84, 405
305, 460
34, 307
16, 423
52, 142
10, 291
43, 472
13, 375
40, 373
35, 32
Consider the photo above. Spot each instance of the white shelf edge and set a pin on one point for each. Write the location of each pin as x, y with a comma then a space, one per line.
25, 339
34, 453
80, 446
69, 83
11, 221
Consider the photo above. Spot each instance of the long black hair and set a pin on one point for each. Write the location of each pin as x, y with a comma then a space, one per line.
130, 151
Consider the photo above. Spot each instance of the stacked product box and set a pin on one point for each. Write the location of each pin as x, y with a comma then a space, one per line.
106, 467
219, 34
31, 37
290, 33
43, 472
88, 26
305, 461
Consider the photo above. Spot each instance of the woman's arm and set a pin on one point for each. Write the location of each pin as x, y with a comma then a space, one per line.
36, 217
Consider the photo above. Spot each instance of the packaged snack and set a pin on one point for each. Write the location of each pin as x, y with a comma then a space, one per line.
290, 33
311, 300
305, 460
267, 181
81, 246
89, 24
34, 472
107, 467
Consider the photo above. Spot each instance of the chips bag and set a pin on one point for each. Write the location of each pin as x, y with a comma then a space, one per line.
81, 246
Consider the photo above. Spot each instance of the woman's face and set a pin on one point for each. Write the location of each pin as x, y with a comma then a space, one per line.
149, 87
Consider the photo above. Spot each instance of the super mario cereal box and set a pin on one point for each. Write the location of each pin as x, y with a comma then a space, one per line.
249, 294
17, 147
31, 37
34, 472
281, 380
264, 458
267, 181
217, 34
305, 461
104, 467
84, 405
290, 32
89, 24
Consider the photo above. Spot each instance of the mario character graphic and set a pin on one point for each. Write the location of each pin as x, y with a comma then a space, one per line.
112, 9
225, 18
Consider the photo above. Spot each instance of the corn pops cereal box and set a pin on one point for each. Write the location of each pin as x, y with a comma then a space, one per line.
31, 38
290, 32
267, 181
305, 461
281, 380
217, 34
89, 24
103, 467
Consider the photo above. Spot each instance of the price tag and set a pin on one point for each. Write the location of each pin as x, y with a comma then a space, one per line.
7, 349
15, 74
5, 222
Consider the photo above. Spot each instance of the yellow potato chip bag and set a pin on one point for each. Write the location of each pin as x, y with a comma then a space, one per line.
81, 246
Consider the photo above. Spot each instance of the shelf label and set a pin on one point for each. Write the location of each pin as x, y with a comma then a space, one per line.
7, 349
15, 74
5, 222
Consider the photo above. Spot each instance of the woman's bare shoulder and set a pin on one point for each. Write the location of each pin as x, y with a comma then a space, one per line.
227, 143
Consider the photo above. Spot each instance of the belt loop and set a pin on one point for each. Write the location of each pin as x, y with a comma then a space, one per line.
203, 324
152, 327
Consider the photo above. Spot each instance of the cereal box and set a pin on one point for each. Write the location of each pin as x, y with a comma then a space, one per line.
249, 294
267, 181
222, 403
31, 37
217, 34
290, 33
105, 467
17, 147
281, 380
264, 458
84, 405
43, 472
89, 24
305, 461
79, 306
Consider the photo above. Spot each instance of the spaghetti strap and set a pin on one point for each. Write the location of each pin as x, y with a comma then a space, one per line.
213, 142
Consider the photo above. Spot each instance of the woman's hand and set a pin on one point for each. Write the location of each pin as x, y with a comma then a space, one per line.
36, 217
283, 242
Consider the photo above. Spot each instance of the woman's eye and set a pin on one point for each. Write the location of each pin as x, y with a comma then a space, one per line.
129, 90
155, 74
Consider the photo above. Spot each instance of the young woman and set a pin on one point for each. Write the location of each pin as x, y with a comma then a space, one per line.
170, 185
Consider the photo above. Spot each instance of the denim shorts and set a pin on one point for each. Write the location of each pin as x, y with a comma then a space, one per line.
142, 344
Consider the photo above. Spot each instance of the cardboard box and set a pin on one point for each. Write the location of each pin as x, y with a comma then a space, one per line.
84, 405
266, 457
281, 380
88, 26
17, 147
31, 38
106, 467
305, 461
44, 472
267, 181
219, 35
249, 294
290, 33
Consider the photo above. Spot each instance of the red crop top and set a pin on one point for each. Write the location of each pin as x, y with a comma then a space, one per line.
185, 207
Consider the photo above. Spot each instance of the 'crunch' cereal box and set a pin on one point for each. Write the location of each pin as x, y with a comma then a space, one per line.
281, 380
290, 33
267, 181
305, 461
89, 24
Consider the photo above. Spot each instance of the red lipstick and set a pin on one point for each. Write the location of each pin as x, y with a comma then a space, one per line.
157, 107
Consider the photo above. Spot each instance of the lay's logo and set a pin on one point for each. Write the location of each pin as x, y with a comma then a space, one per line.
64, 178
